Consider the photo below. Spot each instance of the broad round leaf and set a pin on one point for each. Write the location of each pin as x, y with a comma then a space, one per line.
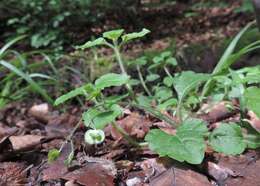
228, 139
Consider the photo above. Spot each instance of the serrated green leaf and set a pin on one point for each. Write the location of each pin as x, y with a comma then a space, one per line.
53, 154
89, 44
187, 81
228, 139
113, 34
252, 97
111, 79
134, 35
187, 145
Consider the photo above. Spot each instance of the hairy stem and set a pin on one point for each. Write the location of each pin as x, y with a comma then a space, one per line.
167, 72
129, 139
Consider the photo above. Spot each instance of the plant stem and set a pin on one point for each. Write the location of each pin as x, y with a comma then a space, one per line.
142, 81
125, 135
123, 71
69, 137
167, 71
156, 114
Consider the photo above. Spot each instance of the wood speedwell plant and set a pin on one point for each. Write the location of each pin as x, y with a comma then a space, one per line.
192, 135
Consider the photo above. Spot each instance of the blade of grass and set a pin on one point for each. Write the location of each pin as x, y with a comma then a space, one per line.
29, 80
9, 44
222, 64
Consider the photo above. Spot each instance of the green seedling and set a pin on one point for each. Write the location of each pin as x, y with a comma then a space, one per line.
192, 134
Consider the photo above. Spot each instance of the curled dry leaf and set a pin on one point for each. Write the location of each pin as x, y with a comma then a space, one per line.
218, 172
217, 113
12, 174
25, 142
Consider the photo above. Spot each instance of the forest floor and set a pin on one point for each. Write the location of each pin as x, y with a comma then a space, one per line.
29, 129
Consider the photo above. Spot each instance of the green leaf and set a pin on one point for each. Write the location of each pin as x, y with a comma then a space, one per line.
228, 139
89, 44
168, 103
115, 99
93, 136
168, 81
107, 117
83, 90
252, 97
134, 35
111, 79
113, 34
152, 77
89, 115
187, 81
163, 93
187, 145
53, 154
172, 61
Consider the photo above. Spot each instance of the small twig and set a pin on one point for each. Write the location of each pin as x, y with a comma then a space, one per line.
69, 137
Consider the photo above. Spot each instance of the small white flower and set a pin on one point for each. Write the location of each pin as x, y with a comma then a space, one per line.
93, 136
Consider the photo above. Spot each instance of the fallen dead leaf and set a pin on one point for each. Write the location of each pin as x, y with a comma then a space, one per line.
57, 169
246, 168
134, 124
217, 113
25, 142
12, 174
91, 174
164, 171
218, 172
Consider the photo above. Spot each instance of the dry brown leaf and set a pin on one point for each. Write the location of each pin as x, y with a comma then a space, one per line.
91, 174
12, 174
134, 124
